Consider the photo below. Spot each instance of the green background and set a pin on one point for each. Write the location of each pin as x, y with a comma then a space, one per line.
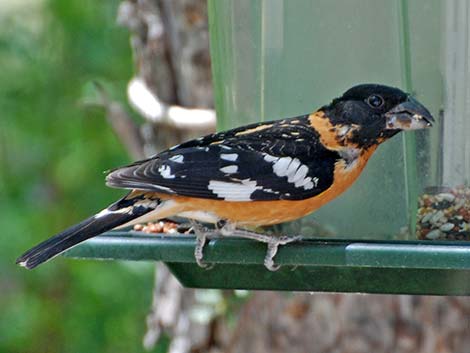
53, 153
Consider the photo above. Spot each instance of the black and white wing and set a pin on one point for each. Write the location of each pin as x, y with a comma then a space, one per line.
281, 160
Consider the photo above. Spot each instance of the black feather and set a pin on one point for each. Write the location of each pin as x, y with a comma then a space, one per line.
201, 163
119, 213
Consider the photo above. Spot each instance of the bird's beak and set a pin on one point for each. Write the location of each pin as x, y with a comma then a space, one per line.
409, 115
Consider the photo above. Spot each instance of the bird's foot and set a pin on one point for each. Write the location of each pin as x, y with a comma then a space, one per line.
272, 242
202, 235
273, 246
229, 230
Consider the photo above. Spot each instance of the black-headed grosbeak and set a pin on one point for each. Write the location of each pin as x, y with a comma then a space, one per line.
255, 175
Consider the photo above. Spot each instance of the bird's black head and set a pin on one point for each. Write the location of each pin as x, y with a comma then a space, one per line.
375, 112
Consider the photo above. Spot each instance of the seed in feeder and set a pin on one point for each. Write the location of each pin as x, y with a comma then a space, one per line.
434, 234
169, 227
446, 196
459, 204
446, 227
427, 201
437, 216
427, 217
446, 210
424, 231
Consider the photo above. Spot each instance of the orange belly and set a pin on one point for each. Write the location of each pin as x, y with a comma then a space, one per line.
259, 213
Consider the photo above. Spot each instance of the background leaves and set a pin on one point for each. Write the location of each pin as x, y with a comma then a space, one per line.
52, 156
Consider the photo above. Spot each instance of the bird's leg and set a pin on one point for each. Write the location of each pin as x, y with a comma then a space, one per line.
269, 257
228, 229
272, 241
202, 235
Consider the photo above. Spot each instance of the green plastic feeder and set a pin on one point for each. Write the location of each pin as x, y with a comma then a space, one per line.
437, 268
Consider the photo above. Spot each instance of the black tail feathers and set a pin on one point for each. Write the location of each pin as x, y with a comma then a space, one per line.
115, 215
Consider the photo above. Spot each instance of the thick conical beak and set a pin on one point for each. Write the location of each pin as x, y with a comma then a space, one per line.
409, 115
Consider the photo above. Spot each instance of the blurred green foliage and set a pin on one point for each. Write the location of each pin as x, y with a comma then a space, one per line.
52, 156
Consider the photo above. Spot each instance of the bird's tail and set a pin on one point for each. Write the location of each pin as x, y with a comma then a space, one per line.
132, 206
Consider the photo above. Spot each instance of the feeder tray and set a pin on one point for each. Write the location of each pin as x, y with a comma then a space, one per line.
440, 268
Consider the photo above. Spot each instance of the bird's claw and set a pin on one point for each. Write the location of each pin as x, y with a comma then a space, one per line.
286, 239
202, 235
272, 242
269, 258
273, 246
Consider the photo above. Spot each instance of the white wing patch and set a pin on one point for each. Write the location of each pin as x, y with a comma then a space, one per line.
271, 191
232, 157
179, 158
234, 191
294, 170
165, 172
230, 169
299, 175
315, 181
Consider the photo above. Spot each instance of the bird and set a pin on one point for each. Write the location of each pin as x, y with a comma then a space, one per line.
256, 175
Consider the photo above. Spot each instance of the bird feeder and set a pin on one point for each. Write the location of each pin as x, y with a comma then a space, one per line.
404, 226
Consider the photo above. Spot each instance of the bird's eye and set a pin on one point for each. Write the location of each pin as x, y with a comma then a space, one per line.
375, 101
